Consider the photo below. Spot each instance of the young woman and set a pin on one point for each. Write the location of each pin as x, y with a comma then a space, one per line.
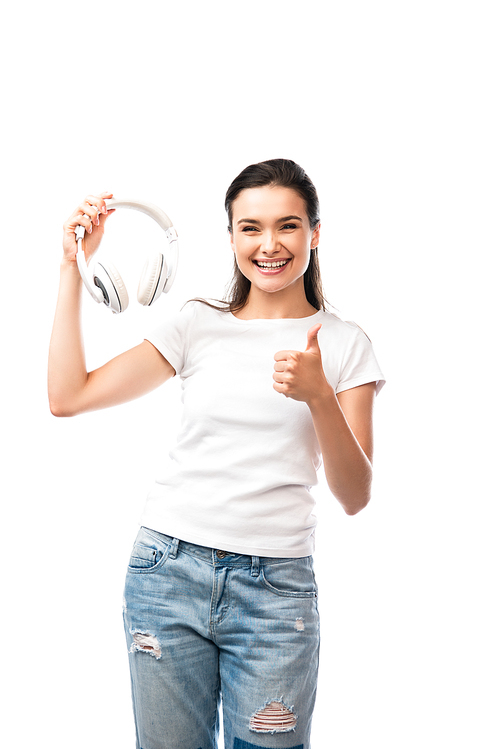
220, 596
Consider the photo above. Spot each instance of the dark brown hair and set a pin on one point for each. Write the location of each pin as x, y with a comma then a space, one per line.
275, 173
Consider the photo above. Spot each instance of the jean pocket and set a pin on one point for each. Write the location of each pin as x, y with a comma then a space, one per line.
292, 577
148, 553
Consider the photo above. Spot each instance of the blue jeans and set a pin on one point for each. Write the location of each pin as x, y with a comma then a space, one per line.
204, 625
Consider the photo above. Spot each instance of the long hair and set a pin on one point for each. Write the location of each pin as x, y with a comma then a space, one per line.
274, 173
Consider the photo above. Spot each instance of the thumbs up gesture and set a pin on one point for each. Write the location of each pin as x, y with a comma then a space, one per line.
299, 374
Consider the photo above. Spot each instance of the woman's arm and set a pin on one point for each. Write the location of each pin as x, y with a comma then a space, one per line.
344, 427
73, 390
343, 423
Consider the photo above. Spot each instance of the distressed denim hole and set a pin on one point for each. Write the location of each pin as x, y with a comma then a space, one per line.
275, 717
146, 642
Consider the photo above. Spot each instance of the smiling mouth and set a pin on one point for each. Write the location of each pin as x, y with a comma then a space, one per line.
271, 265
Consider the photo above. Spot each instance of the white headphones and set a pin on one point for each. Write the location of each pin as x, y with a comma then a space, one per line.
105, 283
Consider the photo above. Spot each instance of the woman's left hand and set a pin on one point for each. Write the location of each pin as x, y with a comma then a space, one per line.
299, 374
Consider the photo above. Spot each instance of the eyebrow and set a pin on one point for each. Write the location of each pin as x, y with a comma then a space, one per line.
279, 221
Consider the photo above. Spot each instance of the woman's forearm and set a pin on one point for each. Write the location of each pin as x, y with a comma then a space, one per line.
347, 468
67, 372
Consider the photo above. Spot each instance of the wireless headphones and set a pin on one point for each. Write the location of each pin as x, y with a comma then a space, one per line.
105, 283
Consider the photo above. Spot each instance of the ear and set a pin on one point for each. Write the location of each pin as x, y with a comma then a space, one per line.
231, 239
315, 237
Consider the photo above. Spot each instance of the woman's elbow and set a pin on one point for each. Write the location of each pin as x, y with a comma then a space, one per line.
354, 500
354, 508
60, 409
57, 411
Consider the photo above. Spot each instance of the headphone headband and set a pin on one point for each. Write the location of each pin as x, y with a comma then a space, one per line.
151, 210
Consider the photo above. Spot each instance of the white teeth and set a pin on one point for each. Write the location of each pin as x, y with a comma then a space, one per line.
278, 264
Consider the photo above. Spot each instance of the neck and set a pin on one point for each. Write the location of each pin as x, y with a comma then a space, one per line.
275, 306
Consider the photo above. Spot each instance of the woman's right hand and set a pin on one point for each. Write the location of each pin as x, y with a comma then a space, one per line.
91, 214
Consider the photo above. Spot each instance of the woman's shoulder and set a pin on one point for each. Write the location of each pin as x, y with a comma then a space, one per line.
205, 307
336, 324
196, 309
203, 315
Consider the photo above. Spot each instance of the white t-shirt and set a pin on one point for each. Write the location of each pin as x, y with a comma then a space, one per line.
240, 474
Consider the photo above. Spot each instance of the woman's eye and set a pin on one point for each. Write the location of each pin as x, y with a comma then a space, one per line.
290, 226
249, 228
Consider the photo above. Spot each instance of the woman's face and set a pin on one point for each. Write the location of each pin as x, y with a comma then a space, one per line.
271, 237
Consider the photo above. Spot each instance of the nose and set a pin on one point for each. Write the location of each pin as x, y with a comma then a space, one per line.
270, 244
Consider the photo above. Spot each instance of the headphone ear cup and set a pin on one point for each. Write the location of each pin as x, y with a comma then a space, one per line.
153, 280
107, 278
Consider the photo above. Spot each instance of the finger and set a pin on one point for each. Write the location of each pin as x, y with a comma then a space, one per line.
79, 218
86, 215
280, 366
280, 389
282, 356
102, 203
312, 339
93, 206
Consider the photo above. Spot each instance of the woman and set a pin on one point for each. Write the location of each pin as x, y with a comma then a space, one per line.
220, 596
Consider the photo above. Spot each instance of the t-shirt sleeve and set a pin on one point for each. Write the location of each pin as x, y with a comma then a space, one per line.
359, 365
171, 337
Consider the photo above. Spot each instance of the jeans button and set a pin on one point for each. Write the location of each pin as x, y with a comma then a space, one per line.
221, 554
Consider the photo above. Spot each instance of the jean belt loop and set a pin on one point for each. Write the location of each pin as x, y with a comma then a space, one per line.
172, 551
255, 566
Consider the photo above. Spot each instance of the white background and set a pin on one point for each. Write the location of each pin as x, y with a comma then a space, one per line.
392, 108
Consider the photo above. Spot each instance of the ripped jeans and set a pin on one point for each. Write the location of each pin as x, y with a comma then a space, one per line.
205, 625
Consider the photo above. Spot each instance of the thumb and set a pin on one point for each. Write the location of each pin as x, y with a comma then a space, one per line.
312, 340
